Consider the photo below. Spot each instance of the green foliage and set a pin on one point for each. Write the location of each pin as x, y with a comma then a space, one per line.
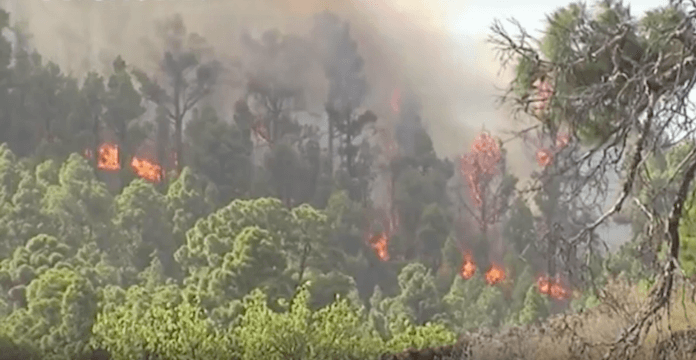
172, 331
60, 310
429, 335
519, 229
196, 267
535, 306
334, 332
326, 288
555, 45
220, 153
687, 235
80, 203
141, 213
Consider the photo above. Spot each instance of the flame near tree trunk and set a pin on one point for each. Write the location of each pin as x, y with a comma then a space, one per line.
544, 156
469, 267
478, 167
552, 287
495, 275
379, 243
108, 157
108, 160
146, 169
390, 215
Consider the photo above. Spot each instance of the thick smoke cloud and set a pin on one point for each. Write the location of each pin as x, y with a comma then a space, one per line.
405, 44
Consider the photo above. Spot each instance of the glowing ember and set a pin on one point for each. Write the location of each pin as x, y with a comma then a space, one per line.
146, 169
108, 157
543, 285
562, 140
495, 275
468, 268
379, 243
544, 157
396, 101
552, 287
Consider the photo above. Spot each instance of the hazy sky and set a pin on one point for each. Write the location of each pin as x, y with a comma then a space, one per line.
471, 23
473, 17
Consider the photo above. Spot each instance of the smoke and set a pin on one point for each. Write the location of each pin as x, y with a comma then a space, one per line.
405, 44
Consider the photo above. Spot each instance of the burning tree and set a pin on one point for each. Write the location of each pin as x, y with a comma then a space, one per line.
190, 77
490, 189
122, 107
615, 82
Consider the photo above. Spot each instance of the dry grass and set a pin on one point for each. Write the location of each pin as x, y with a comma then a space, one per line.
588, 335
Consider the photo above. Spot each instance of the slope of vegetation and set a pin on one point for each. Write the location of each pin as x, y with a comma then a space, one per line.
187, 233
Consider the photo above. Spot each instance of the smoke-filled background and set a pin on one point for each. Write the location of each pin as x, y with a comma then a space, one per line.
405, 44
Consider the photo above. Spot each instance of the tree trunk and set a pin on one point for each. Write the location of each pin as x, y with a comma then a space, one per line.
303, 264
95, 145
677, 209
122, 157
178, 127
178, 134
331, 145
163, 139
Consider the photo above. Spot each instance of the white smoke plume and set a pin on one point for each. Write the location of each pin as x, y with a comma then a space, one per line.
405, 44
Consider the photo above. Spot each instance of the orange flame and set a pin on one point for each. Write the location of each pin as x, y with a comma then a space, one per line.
552, 288
485, 154
495, 275
108, 157
146, 169
468, 268
379, 243
544, 157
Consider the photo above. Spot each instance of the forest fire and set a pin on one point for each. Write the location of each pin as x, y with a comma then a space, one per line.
389, 214
468, 267
552, 287
380, 244
108, 160
544, 157
482, 160
495, 275
108, 157
146, 169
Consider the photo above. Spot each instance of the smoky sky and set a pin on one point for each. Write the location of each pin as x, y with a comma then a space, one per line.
404, 44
